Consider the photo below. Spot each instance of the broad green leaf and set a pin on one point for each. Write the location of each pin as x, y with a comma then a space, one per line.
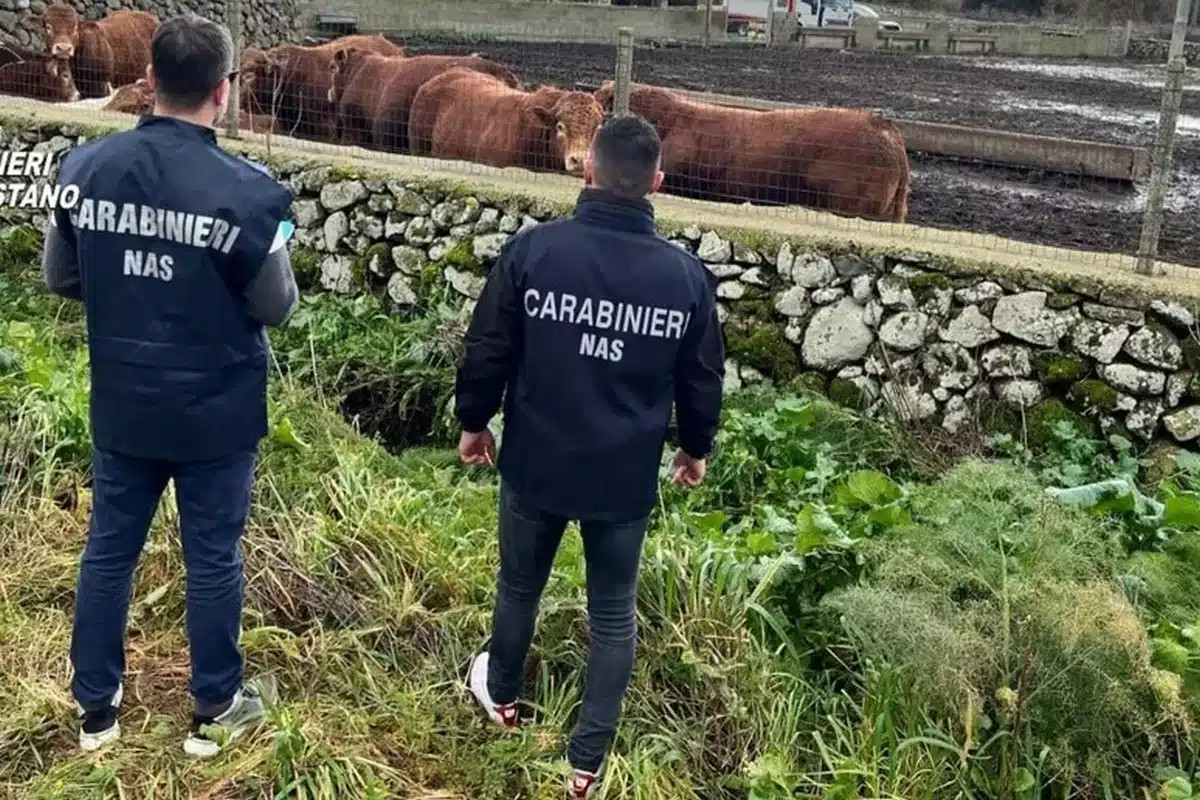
1169, 655
1182, 511
890, 516
872, 488
285, 434
761, 543
1023, 781
1113, 495
1177, 788
707, 523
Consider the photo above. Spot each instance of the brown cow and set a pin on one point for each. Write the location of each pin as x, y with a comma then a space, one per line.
104, 54
39, 77
373, 93
466, 114
138, 98
291, 83
848, 161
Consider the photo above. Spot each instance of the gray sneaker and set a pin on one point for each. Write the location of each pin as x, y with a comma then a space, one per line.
99, 728
212, 732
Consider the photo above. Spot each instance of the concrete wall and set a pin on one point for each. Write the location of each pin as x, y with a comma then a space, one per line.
520, 19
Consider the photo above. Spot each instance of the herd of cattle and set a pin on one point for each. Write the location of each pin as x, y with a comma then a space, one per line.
364, 90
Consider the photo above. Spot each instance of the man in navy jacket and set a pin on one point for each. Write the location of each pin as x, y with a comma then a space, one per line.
177, 250
591, 328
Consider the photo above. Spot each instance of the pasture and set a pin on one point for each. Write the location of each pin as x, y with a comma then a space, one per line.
1107, 102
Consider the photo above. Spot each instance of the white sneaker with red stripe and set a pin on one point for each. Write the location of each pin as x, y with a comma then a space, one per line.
503, 714
582, 784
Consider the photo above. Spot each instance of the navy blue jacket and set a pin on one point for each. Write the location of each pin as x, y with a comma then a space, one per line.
595, 326
169, 231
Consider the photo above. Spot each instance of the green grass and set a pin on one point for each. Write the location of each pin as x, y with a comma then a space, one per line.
840, 612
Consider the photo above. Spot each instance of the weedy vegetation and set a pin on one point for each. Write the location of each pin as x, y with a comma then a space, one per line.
829, 616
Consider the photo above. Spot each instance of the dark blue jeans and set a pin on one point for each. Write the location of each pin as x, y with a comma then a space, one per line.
214, 501
529, 540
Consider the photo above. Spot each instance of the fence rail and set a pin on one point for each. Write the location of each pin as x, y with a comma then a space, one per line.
1036, 153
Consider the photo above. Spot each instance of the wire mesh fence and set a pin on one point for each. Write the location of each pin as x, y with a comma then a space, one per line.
1023, 151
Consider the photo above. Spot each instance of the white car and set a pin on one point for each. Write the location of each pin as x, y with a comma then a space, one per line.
884, 24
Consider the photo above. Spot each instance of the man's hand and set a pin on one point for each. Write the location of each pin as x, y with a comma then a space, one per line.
688, 471
477, 448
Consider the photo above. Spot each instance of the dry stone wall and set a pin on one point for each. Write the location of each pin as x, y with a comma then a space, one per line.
899, 332
265, 23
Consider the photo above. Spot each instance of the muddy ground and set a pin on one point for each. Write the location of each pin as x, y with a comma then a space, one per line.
1110, 102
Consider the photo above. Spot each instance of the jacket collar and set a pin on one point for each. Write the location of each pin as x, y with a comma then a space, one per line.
601, 207
179, 127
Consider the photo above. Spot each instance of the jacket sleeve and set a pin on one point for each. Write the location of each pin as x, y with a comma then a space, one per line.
700, 378
60, 262
493, 346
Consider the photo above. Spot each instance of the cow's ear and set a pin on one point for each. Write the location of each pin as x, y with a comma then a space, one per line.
540, 115
604, 96
340, 56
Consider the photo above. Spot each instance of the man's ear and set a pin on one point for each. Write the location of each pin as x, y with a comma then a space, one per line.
540, 115
656, 184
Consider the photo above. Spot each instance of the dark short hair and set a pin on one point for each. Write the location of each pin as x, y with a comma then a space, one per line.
625, 155
191, 55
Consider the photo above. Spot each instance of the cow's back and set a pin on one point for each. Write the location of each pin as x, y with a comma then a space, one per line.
358, 106
393, 110
451, 113
129, 33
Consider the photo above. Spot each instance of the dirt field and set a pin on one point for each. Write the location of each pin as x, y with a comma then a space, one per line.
1113, 102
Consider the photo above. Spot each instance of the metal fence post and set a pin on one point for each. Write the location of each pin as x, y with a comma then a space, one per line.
624, 78
233, 111
1160, 168
708, 4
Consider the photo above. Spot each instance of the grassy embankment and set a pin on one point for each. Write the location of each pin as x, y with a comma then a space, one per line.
829, 616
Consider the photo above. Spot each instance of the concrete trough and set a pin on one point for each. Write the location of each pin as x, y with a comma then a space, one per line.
1071, 156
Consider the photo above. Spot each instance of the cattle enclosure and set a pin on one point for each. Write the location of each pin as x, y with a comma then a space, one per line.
1112, 102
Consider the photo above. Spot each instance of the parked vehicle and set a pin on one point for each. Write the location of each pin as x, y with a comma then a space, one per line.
744, 14
863, 10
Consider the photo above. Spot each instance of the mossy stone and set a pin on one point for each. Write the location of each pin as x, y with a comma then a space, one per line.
1191, 353
765, 349
846, 392
1060, 301
1042, 419
306, 265
1057, 367
428, 280
807, 383
1092, 394
924, 286
462, 257
381, 255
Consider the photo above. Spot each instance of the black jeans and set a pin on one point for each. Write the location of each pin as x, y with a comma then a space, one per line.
529, 540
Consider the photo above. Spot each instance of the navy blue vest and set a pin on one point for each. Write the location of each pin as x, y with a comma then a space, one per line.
170, 229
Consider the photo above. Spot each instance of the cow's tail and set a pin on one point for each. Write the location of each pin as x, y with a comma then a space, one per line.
897, 207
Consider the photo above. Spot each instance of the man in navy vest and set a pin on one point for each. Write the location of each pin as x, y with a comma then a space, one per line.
177, 250
591, 328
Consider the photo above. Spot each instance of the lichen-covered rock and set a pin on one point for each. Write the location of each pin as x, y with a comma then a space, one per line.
343, 194
459, 211
754, 277
907, 401
1007, 361
969, 329
812, 271
1053, 367
830, 294
336, 226
713, 248
420, 231
733, 381
409, 202
1115, 316
1142, 421
731, 290
894, 293
792, 302
1155, 347
367, 225
836, 336
979, 293
784, 260
1134, 380
1026, 317
862, 289
488, 222
380, 203
1020, 392
400, 290
723, 271
1099, 340
487, 248
1174, 314
394, 227
794, 331
904, 331
465, 283
1091, 394
306, 213
956, 414
1184, 424
1177, 386
746, 255
409, 260
337, 275
872, 314
950, 366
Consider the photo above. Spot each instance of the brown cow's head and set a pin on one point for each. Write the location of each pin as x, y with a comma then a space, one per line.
261, 73
134, 98
58, 26
573, 118
58, 71
340, 68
